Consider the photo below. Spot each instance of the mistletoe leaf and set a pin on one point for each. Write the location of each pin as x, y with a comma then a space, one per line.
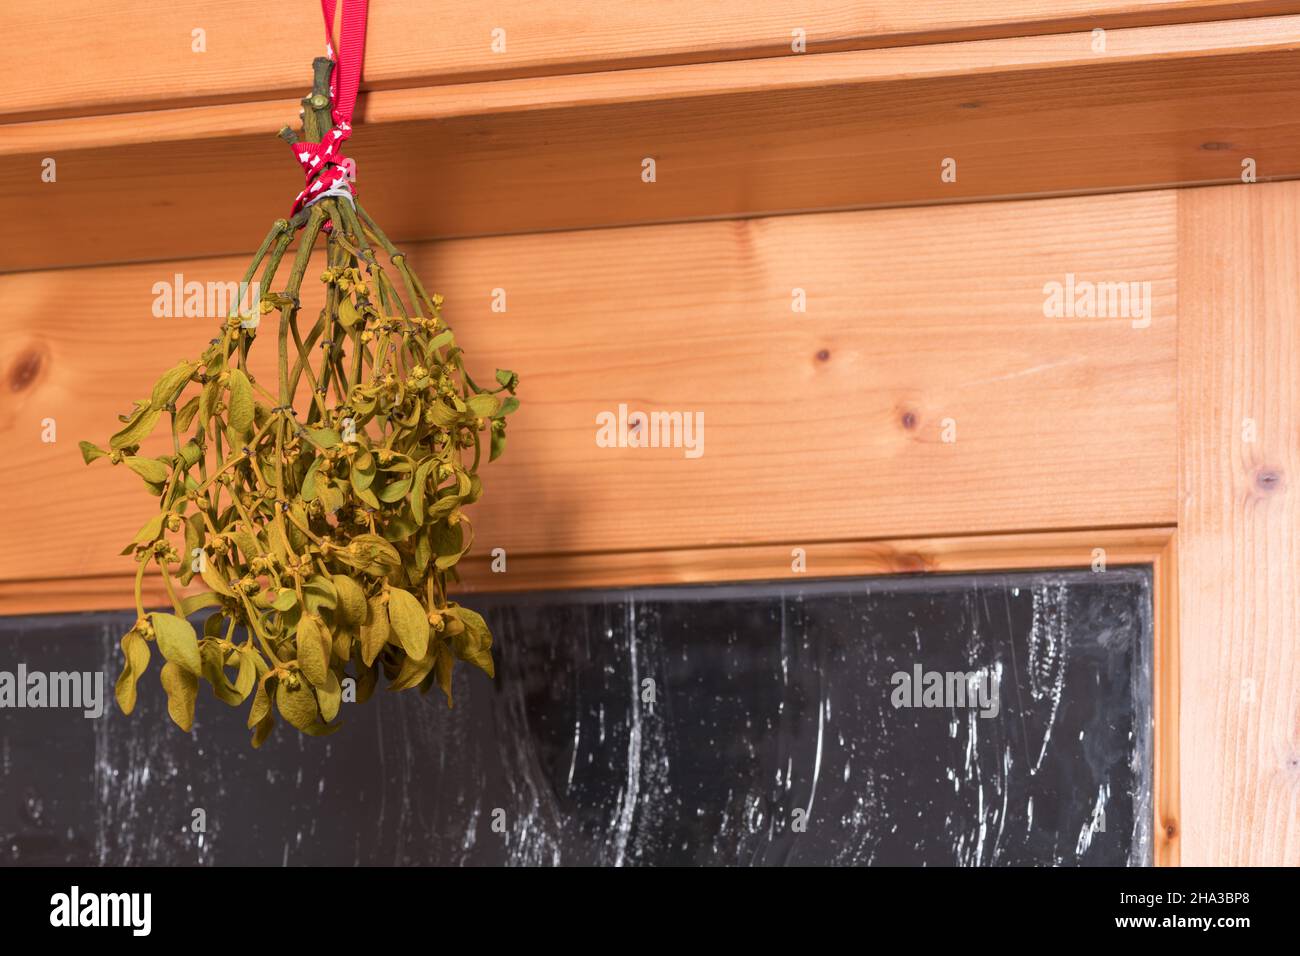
297, 704
171, 382
186, 414
329, 696
348, 315
152, 531
177, 641
313, 650
372, 554
182, 689
410, 622
246, 677
261, 701
376, 630
150, 469
241, 405
286, 600
395, 490
137, 428
263, 729
324, 438
474, 643
352, 601
441, 416
412, 672
214, 672
363, 471
135, 661
214, 579
197, 602
208, 400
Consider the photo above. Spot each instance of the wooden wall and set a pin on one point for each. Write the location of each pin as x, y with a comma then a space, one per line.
818, 426
826, 429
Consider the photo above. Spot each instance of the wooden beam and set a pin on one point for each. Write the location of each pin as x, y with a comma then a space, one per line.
762, 562
758, 562
1239, 523
1024, 116
923, 392
65, 57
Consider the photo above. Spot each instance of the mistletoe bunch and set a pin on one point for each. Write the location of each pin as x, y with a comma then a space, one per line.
325, 518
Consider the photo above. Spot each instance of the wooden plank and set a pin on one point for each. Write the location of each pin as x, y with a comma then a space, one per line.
764, 562
1163, 106
827, 425
68, 57
755, 562
1239, 523
611, 88
1167, 831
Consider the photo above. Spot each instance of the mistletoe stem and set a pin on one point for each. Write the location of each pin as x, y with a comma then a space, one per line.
287, 312
316, 106
278, 228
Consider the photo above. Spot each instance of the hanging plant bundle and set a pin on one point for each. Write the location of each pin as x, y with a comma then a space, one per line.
324, 512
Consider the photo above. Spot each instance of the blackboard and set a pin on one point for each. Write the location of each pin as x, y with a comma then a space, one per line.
749, 724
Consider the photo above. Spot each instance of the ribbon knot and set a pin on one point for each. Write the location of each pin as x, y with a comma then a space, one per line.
325, 167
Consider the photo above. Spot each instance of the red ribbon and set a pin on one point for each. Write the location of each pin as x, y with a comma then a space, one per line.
323, 163
346, 77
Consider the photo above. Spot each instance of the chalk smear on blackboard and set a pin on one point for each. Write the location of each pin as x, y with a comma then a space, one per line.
770, 711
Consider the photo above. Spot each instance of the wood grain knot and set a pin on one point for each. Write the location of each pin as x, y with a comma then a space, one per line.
1216, 146
910, 563
823, 355
23, 373
909, 421
1268, 480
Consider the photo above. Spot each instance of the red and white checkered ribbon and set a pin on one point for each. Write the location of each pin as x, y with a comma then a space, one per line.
323, 163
